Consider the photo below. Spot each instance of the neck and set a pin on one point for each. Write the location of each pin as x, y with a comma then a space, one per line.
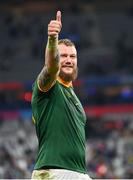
65, 83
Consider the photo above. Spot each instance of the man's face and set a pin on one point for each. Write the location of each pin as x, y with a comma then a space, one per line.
68, 62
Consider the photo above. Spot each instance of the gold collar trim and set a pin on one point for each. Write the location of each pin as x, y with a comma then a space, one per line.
67, 84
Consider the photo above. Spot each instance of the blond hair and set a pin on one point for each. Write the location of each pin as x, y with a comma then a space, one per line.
67, 42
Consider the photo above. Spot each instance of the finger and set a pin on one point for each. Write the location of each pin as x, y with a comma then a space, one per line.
54, 30
52, 34
54, 22
58, 16
54, 26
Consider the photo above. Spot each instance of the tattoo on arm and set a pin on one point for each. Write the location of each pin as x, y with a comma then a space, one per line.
57, 57
48, 75
44, 77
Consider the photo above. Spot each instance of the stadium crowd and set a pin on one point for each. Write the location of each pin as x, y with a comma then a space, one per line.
109, 149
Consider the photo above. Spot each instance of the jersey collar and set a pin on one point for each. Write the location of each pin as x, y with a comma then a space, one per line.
67, 84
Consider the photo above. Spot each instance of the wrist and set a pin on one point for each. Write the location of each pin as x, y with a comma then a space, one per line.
52, 42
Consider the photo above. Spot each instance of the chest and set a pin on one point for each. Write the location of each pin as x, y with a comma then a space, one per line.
73, 104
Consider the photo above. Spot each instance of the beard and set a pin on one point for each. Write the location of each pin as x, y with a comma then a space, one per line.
69, 77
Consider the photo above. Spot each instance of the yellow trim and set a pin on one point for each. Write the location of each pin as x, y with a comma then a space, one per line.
47, 89
33, 119
39, 86
67, 84
61, 81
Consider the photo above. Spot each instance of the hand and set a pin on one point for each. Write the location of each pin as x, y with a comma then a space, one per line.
54, 27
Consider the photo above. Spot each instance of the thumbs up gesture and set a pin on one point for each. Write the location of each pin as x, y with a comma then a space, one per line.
54, 27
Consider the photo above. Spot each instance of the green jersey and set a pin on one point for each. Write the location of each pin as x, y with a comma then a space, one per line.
60, 127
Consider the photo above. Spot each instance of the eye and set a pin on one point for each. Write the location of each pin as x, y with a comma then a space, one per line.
63, 55
73, 56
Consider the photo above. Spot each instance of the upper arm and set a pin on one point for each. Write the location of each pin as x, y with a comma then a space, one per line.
46, 79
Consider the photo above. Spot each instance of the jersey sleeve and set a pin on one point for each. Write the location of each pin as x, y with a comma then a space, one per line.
40, 99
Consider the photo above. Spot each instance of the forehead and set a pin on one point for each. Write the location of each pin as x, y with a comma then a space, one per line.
67, 49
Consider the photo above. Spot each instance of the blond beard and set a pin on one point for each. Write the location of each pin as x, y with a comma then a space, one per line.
69, 77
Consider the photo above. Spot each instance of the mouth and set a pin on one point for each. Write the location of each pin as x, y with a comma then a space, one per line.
67, 66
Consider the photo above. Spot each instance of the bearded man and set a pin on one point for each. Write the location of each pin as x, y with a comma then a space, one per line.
57, 112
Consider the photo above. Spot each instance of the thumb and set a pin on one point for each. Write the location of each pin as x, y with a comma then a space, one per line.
58, 16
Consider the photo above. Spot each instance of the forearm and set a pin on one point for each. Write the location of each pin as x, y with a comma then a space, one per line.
50, 70
52, 55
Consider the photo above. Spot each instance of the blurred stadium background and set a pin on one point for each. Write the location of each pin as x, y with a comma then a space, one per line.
103, 33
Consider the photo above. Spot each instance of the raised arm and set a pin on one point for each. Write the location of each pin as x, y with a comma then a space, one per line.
48, 75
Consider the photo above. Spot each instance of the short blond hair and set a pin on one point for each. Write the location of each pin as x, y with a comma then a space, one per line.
67, 42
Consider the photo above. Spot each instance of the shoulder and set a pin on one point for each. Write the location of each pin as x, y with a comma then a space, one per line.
36, 91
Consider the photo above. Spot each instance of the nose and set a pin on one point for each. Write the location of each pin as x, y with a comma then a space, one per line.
68, 60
